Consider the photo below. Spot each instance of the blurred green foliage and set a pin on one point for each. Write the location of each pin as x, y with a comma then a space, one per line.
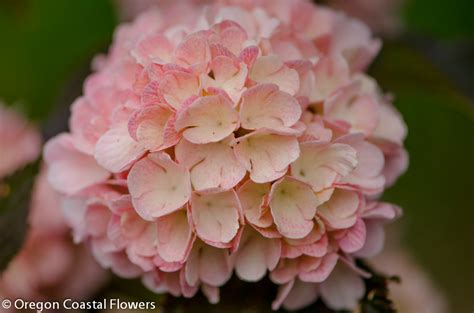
43, 42
440, 18
437, 192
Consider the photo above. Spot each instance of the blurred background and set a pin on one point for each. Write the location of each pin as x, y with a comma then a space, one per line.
427, 63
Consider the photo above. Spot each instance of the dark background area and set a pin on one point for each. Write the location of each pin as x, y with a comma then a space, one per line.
47, 45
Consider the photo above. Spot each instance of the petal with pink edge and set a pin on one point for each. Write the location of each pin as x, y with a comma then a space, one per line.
264, 106
340, 211
293, 206
156, 48
228, 76
354, 239
214, 266
270, 69
211, 165
322, 272
174, 236
116, 150
153, 128
252, 198
178, 86
265, 155
193, 52
331, 73
215, 215
375, 239
320, 164
68, 169
255, 255
360, 110
207, 119
158, 186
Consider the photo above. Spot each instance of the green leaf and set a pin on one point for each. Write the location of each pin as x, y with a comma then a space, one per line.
15, 195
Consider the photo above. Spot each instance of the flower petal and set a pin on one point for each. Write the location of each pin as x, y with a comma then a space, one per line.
215, 215
151, 128
178, 86
324, 269
211, 165
174, 236
207, 119
320, 164
265, 155
158, 186
264, 106
343, 289
252, 197
255, 255
116, 150
270, 69
341, 210
293, 206
68, 169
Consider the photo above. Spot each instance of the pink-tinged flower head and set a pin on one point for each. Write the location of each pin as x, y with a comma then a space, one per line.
49, 266
20, 142
233, 136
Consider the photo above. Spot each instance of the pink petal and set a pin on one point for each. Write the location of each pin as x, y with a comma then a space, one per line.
283, 292
286, 270
211, 165
252, 197
367, 176
214, 266
158, 186
174, 237
68, 169
228, 76
354, 238
255, 255
361, 111
151, 128
264, 106
207, 119
270, 69
341, 210
320, 164
178, 86
375, 239
293, 206
331, 73
211, 293
116, 150
265, 155
301, 295
155, 48
322, 272
343, 289
216, 215
193, 52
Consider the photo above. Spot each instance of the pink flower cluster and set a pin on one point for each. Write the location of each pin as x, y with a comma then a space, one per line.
240, 136
49, 266
20, 142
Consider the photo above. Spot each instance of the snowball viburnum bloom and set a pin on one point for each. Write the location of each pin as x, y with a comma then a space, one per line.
233, 136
